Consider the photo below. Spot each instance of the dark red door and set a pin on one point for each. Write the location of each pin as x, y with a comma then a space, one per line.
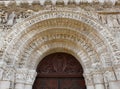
59, 71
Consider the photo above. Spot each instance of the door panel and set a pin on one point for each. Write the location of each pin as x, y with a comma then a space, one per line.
46, 83
59, 83
72, 83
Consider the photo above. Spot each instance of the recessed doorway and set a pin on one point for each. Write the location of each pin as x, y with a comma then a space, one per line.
59, 71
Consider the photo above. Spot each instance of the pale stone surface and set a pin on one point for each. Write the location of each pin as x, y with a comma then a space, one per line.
90, 33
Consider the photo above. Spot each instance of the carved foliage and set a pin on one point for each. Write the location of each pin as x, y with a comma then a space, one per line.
98, 78
30, 77
109, 76
8, 74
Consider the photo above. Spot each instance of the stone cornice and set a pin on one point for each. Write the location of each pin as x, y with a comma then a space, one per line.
55, 2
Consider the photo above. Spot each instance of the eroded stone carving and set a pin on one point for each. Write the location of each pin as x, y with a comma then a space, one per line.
117, 72
21, 75
96, 66
8, 19
11, 19
8, 74
88, 79
98, 78
31, 76
109, 76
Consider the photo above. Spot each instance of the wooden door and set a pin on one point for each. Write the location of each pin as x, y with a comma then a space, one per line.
59, 71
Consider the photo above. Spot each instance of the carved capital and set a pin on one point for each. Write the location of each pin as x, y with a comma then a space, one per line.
2, 64
21, 75
31, 75
88, 79
109, 76
96, 67
117, 72
98, 78
8, 74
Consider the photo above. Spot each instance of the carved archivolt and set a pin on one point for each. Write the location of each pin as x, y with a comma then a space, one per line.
81, 32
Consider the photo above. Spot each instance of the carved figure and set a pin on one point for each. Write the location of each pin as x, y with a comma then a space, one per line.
11, 19
96, 66
109, 76
3, 16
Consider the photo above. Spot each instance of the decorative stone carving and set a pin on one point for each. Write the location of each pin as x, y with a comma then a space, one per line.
31, 75
65, 15
108, 16
106, 60
111, 21
117, 72
109, 76
21, 75
88, 79
59, 2
3, 16
96, 66
8, 19
11, 19
59, 63
8, 74
98, 78
61, 15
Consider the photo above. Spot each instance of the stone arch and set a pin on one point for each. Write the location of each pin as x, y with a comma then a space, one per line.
18, 31
37, 42
26, 29
59, 47
10, 44
56, 14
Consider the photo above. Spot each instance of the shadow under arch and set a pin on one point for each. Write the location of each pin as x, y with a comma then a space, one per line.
59, 70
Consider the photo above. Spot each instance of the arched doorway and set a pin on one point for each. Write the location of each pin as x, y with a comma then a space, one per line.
59, 71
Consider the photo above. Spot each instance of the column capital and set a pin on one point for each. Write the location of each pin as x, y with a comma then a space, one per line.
117, 72
2, 64
31, 75
109, 76
21, 75
98, 78
88, 79
8, 74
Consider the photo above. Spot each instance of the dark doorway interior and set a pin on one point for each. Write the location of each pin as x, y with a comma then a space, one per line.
59, 71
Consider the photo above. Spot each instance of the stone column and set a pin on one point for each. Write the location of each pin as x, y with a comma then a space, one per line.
89, 81
2, 82
31, 75
110, 78
7, 77
98, 81
113, 78
1, 75
21, 75
117, 72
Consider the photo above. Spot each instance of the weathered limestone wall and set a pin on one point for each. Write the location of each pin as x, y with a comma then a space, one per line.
91, 33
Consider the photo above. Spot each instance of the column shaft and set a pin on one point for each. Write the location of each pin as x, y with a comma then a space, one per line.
4, 84
114, 85
28, 86
19, 86
90, 87
99, 86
